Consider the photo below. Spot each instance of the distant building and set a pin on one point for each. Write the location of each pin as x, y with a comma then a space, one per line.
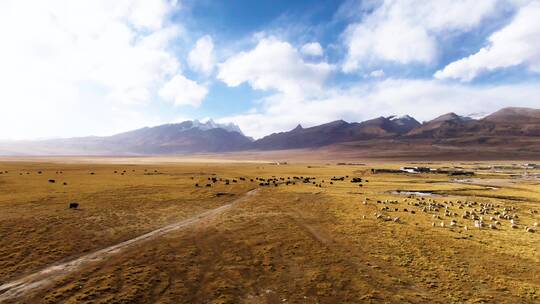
416, 169
409, 169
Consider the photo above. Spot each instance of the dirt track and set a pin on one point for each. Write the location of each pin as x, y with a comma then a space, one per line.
46, 276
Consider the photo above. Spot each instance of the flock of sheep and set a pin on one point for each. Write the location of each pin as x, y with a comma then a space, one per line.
479, 215
275, 181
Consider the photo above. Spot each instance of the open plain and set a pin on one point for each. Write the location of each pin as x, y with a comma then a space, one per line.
151, 231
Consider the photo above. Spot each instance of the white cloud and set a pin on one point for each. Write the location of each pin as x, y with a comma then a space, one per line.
516, 44
377, 73
149, 14
201, 58
64, 60
423, 99
182, 91
274, 65
312, 49
406, 31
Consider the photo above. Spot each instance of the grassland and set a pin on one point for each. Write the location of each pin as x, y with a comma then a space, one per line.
296, 243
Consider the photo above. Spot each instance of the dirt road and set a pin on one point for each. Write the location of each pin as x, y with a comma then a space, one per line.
46, 276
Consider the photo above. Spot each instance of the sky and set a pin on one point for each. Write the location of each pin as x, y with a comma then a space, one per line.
79, 68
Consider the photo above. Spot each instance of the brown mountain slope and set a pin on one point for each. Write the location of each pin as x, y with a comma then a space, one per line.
503, 123
515, 115
443, 126
336, 132
180, 138
512, 128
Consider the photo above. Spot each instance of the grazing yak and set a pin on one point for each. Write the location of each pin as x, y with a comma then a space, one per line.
73, 205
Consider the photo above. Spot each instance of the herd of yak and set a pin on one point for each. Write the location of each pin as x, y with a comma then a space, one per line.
274, 181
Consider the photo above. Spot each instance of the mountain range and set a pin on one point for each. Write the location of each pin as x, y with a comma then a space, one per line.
505, 130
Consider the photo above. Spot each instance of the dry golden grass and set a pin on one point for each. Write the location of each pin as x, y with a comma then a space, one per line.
287, 244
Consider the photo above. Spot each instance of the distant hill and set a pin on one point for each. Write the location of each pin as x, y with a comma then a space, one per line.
512, 130
335, 132
442, 126
503, 123
185, 137
180, 138
515, 116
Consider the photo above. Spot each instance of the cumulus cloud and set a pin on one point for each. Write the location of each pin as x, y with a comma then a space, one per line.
377, 73
201, 58
149, 14
182, 91
518, 43
62, 60
406, 31
423, 99
312, 49
274, 65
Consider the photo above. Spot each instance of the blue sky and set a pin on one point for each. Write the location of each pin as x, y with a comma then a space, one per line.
77, 68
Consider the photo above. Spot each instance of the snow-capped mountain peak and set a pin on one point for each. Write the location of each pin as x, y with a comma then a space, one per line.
477, 115
401, 120
211, 124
